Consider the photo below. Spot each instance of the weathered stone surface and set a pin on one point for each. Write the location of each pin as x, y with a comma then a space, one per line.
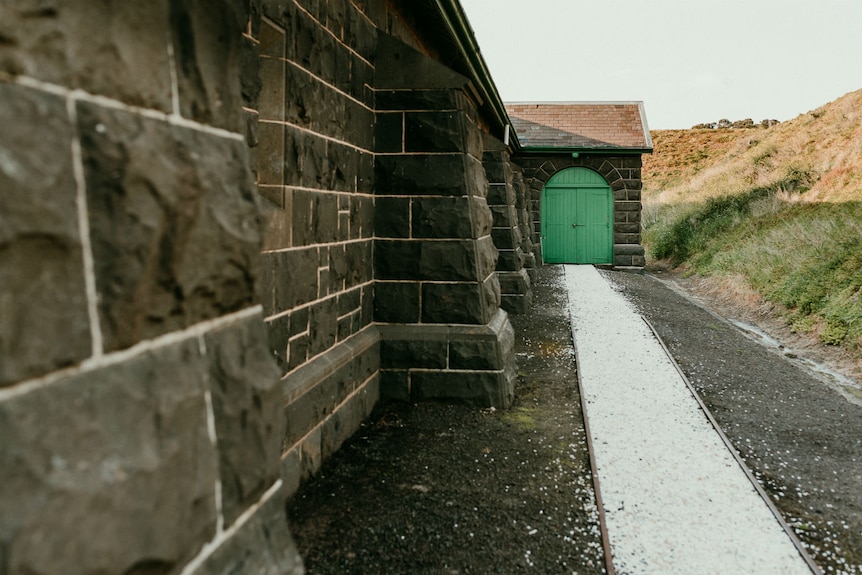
434, 175
323, 325
397, 259
262, 545
395, 385
347, 419
176, 225
396, 302
460, 303
270, 157
442, 218
628, 250
41, 261
474, 354
392, 217
246, 403
279, 336
389, 132
207, 50
111, 470
313, 392
271, 98
113, 48
421, 352
295, 279
418, 99
498, 194
250, 73
359, 268
434, 132
479, 388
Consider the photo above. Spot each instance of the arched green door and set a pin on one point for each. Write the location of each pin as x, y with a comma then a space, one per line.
577, 218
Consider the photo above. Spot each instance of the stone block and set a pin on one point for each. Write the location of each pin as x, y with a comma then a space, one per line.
278, 217
43, 304
434, 175
175, 224
442, 218
262, 544
396, 302
482, 217
272, 39
295, 280
323, 325
397, 259
360, 34
395, 385
628, 249
297, 352
477, 388
417, 100
207, 52
246, 401
620, 238
109, 470
498, 194
448, 260
250, 73
459, 303
272, 72
389, 132
279, 335
359, 268
477, 184
343, 167
433, 132
427, 351
324, 217
474, 354
112, 48
270, 156
392, 217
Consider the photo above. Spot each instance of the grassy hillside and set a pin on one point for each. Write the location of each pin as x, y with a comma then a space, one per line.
776, 210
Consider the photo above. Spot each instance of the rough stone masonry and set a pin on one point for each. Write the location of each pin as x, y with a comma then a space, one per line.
228, 229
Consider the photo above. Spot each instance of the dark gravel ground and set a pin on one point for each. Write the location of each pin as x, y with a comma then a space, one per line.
440, 489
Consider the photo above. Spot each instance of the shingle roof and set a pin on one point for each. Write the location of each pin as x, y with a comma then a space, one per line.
583, 125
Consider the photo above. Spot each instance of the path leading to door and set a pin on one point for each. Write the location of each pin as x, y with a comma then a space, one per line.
675, 499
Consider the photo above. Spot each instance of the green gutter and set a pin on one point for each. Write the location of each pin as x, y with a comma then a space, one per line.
459, 27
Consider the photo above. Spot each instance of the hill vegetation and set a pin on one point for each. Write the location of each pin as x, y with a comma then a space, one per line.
772, 214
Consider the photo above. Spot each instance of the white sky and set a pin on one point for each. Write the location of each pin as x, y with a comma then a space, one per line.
690, 61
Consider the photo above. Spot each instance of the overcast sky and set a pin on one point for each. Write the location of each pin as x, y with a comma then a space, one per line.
689, 61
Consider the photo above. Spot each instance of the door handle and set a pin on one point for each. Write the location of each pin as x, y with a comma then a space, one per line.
574, 225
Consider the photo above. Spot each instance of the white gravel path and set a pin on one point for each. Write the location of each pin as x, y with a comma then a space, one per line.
675, 499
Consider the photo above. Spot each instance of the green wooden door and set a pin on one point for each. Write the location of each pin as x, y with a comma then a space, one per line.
577, 218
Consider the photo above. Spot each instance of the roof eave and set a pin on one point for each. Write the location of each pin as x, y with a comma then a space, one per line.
459, 27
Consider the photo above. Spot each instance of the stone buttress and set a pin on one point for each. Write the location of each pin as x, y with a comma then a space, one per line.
437, 296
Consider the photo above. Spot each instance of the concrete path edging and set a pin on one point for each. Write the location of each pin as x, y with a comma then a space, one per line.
675, 498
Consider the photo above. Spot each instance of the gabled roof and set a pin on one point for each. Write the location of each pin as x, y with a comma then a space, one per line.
581, 126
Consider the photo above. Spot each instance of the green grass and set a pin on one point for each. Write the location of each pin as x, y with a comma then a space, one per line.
805, 257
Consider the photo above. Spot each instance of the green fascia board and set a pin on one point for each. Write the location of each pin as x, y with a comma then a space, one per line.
562, 150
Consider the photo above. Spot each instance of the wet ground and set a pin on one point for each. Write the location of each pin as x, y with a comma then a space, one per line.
440, 489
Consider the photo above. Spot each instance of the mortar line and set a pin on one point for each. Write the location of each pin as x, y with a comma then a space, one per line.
96, 336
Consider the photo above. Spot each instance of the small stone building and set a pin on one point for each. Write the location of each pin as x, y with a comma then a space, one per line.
582, 164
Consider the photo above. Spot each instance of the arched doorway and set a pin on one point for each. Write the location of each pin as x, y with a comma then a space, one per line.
577, 218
